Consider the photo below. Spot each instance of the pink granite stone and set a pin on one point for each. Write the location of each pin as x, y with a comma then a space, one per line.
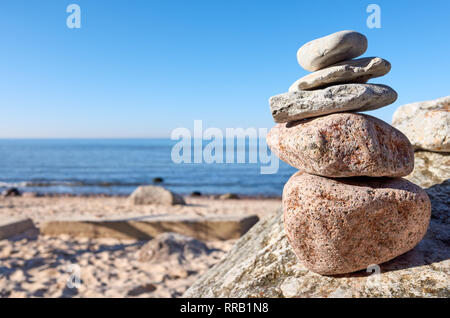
338, 226
343, 145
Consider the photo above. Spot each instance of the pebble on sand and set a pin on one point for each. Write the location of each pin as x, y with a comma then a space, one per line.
145, 195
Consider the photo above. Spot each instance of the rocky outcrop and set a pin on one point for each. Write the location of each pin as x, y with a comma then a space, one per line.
430, 168
262, 264
426, 124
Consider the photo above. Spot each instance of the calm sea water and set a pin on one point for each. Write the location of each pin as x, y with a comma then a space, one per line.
117, 167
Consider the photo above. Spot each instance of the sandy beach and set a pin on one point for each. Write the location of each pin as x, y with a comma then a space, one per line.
33, 265
46, 208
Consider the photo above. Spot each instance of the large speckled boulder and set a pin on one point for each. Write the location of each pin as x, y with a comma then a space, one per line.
334, 99
145, 195
339, 226
343, 145
430, 168
352, 71
426, 124
330, 49
262, 264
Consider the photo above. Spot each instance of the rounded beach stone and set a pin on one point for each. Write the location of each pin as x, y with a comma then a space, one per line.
293, 106
330, 49
145, 195
338, 226
343, 145
352, 71
426, 124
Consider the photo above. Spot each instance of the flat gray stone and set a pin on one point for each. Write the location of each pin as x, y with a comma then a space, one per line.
352, 71
144, 228
262, 264
294, 106
330, 49
426, 124
14, 226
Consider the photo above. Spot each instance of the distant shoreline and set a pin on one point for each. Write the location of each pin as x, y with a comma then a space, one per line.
106, 195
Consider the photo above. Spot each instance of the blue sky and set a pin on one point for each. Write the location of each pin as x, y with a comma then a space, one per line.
143, 68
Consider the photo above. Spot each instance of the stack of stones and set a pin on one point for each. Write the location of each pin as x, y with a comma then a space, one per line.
347, 207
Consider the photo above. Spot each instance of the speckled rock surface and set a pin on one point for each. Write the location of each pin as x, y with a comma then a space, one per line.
262, 264
352, 71
293, 106
338, 226
430, 168
146, 195
174, 247
343, 145
330, 49
426, 124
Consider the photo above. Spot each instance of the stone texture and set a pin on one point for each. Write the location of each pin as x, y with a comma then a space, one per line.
426, 124
293, 106
15, 226
343, 145
145, 228
172, 247
262, 264
338, 226
352, 71
145, 195
330, 49
430, 168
